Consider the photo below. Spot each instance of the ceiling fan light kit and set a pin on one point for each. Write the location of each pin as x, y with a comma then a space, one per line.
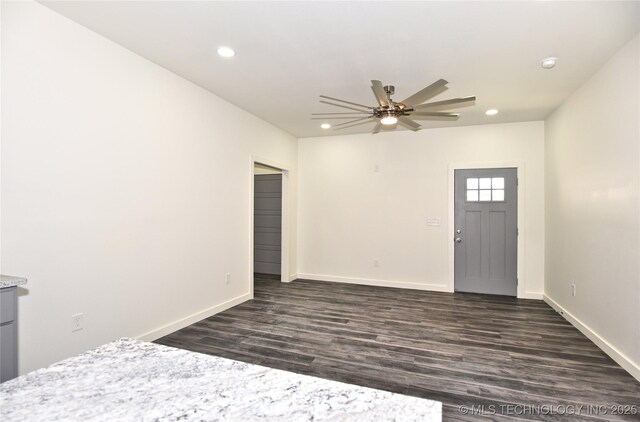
388, 117
389, 113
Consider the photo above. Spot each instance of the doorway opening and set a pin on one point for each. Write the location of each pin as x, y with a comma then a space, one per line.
269, 248
486, 231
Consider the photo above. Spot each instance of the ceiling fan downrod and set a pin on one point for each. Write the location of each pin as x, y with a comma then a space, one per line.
389, 90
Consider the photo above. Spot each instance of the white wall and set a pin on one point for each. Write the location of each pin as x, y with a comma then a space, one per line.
592, 207
126, 190
351, 215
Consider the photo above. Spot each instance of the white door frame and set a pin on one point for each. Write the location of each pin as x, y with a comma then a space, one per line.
284, 241
519, 165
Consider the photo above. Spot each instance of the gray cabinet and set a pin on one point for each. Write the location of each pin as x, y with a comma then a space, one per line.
8, 333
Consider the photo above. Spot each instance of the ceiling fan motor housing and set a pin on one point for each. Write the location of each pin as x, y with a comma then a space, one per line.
390, 112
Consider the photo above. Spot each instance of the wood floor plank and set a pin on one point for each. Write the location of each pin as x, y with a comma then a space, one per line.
460, 349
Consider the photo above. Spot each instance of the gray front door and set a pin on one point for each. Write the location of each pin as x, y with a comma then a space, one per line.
267, 223
486, 231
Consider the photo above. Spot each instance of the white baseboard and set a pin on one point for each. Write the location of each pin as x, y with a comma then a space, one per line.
293, 277
398, 284
191, 319
531, 295
606, 347
376, 282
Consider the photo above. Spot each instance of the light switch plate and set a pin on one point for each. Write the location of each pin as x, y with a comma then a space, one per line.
434, 222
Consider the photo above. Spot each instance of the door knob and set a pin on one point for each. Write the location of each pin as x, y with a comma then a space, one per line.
458, 240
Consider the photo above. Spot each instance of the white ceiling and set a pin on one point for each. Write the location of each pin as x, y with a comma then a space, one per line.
287, 53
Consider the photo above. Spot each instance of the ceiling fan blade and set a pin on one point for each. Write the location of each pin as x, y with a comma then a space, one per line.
347, 112
353, 121
378, 91
433, 113
408, 123
453, 103
377, 128
348, 102
337, 117
343, 106
424, 94
355, 124
423, 115
442, 118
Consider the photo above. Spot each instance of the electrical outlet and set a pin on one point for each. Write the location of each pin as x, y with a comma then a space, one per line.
375, 263
227, 278
77, 322
573, 289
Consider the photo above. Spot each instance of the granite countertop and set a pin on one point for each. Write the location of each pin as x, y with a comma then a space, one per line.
11, 281
133, 380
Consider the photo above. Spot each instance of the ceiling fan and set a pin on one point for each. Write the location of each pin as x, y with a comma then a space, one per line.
388, 114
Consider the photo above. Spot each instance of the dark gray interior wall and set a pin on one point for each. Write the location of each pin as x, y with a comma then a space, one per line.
267, 220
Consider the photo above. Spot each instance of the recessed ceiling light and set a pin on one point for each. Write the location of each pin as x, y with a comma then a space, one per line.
226, 52
491, 112
548, 63
325, 126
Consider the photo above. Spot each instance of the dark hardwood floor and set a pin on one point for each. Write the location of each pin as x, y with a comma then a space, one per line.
460, 349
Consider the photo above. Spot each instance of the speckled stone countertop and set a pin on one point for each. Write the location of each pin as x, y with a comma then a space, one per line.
130, 380
11, 281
